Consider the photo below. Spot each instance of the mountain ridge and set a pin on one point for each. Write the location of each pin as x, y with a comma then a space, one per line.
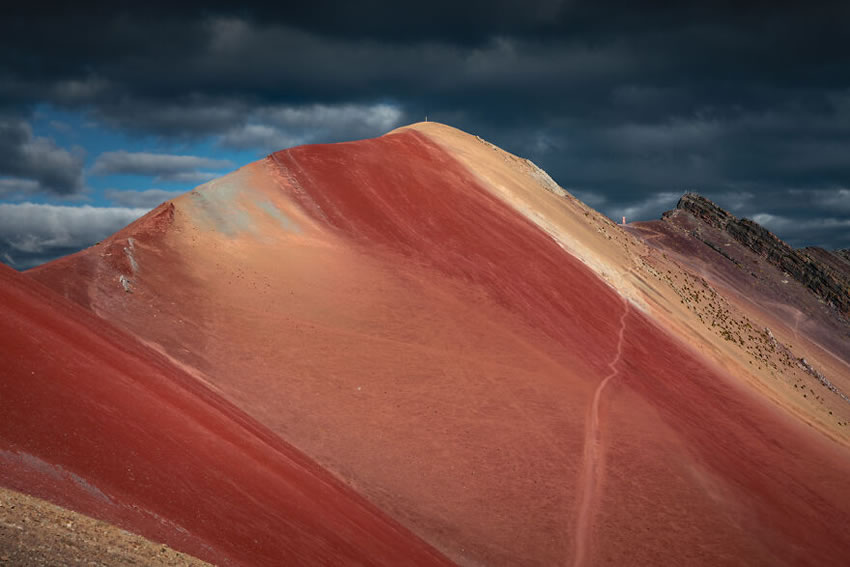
487, 361
808, 266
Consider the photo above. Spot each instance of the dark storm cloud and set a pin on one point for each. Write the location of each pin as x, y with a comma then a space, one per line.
826, 232
836, 199
35, 164
625, 103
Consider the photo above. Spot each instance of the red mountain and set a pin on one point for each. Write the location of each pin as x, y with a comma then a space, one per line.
418, 346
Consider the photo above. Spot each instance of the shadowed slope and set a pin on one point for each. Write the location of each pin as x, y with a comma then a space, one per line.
435, 331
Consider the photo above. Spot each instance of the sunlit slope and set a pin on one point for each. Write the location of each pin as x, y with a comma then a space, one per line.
673, 290
95, 422
495, 365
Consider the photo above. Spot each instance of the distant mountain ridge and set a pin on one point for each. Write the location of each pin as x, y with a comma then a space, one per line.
824, 273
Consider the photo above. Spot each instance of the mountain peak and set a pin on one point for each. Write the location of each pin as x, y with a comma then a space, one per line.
374, 345
826, 283
705, 210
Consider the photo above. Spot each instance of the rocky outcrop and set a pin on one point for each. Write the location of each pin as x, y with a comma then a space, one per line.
703, 209
837, 260
823, 279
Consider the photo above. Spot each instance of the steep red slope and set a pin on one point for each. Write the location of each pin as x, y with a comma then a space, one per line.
376, 305
96, 422
429, 208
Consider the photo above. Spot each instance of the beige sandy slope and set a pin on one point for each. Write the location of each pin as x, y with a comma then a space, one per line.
654, 283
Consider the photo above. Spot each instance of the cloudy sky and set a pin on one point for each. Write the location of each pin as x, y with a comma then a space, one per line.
108, 110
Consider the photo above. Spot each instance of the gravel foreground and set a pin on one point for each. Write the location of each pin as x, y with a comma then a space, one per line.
36, 532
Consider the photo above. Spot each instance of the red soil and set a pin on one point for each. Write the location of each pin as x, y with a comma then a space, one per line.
593, 454
424, 206
436, 350
96, 422
527, 273
781, 482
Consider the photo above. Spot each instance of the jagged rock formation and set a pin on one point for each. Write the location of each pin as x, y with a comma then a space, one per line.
838, 261
808, 267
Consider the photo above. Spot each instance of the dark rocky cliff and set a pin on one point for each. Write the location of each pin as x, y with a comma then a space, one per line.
819, 270
835, 260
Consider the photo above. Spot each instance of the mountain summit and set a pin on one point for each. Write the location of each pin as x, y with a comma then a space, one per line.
419, 349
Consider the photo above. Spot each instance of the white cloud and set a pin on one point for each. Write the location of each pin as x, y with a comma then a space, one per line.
147, 199
188, 177
648, 209
268, 138
785, 225
380, 117
836, 199
32, 233
15, 186
826, 232
273, 128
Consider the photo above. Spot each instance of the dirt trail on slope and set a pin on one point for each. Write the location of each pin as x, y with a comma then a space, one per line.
591, 479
